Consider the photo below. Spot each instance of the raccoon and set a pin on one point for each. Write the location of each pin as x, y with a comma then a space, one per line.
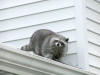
47, 43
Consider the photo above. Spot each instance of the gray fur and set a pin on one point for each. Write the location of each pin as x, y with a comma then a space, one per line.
47, 43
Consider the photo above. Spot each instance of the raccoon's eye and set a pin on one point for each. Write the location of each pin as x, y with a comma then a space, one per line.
58, 44
67, 39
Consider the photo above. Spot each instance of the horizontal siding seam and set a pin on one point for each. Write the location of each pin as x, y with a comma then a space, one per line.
94, 43
93, 9
26, 38
67, 30
36, 13
94, 66
15, 40
93, 21
71, 53
93, 32
93, 54
23, 4
37, 24
29, 37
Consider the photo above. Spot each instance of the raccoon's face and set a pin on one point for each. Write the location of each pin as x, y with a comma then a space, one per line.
59, 43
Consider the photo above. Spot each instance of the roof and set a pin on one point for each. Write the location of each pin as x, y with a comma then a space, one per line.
23, 63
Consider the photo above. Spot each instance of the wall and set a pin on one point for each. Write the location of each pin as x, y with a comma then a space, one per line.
77, 19
93, 31
19, 19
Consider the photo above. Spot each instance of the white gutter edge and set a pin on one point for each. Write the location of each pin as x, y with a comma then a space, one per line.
22, 63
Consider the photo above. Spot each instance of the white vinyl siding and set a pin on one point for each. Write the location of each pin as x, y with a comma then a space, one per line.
34, 8
79, 20
93, 31
19, 20
10, 4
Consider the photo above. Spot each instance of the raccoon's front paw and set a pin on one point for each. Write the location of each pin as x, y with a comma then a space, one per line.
50, 56
22, 48
25, 48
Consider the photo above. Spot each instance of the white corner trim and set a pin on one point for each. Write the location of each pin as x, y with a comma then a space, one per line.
19, 62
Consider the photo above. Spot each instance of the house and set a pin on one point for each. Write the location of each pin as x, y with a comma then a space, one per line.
77, 19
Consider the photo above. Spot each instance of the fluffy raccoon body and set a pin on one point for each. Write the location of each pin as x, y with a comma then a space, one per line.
47, 43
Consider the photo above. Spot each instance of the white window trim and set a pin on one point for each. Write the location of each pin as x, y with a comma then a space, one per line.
23, 63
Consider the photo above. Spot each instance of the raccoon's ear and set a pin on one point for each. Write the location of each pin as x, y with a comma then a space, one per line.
67, 39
